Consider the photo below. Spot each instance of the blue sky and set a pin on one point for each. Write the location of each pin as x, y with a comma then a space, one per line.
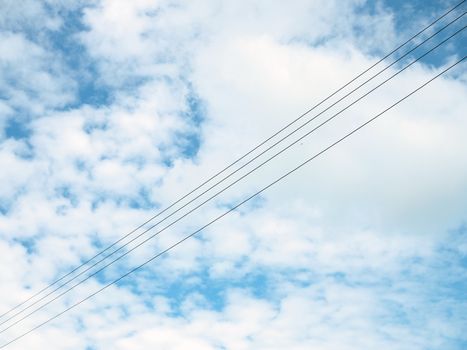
112, 110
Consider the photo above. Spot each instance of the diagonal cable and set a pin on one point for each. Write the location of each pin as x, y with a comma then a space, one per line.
227, 187
229, 166
231, 174
233, 208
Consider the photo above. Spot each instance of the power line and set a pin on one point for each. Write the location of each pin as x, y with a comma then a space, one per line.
150, 228
235, 207
227, 187
223, 170
230, 165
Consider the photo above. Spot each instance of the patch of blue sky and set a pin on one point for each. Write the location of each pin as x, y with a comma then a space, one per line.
395, 313
262, 284
450, 278
4, 208
411, 17
63, 45
29, 244
213, 290
436, 286
190, 141
67, 192
183, 144
167, 158
7, 203
450, 344
91, 126
139, 200
406, 11
100, 245
82, 68
16, 129
429, 292
143, 200
408, 19
254, 203
136, 161
147, 284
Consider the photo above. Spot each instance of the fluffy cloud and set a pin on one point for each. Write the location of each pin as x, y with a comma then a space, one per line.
362, 249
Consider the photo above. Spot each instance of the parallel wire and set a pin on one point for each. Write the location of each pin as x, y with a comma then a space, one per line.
230, 165
230, 185
233, 208
231, 174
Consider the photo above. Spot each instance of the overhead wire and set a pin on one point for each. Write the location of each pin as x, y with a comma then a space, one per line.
230, 185
86, 262
228, 176
234, 207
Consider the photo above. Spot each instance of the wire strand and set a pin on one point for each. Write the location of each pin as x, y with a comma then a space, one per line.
231, 164
230, 185
235, 207
211, 178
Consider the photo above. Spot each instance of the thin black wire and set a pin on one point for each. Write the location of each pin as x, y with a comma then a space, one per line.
232, 164
227, 187
232, 173
229, 166
233, 208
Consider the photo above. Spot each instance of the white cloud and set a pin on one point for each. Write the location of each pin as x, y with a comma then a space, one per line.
345, 246
32, 81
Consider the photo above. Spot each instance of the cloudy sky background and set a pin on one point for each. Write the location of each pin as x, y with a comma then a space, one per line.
111, 110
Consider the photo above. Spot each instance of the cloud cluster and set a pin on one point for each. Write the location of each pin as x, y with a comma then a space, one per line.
111, 110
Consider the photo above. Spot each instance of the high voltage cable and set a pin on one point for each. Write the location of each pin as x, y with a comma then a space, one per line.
230, 165
231, 175
235, 207
227, 187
